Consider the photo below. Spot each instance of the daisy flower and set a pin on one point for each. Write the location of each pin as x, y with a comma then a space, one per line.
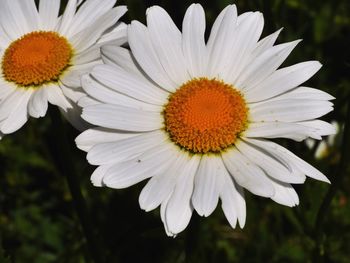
196, 116
44, 54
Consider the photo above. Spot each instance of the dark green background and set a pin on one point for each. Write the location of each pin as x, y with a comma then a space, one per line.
38, 222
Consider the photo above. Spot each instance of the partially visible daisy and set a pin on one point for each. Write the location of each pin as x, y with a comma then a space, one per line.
43, 55
195, 117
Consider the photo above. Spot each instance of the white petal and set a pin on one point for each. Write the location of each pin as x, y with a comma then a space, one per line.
243, 16
230, 15
207, 184
73, 116
129, 84
265, 43
126, 149
18, 115
289, 110
123, 118
38, 103
88, 13
48, 13
90, 35
282, 153
30, 13
117, 36
55, 96
301, 93
179, 208
282, 80
233, 202
246, 38
162, 216
295, 171
122, 57
72, 77
67, 17
86, 140
270, 165
73, 94
322, 128
144, 166
6, 90
8, 103
265, 64
294, 131
285, 194
193, 43
98, 174
13, 20
157, 189
221, 42
247, 174
162, 184
88, 55
109, 96
5, 40
146, 56
166, 39
87, 101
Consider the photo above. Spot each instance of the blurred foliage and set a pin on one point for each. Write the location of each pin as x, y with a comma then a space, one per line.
38, 222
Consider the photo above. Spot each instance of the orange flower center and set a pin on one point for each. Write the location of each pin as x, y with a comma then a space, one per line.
205, 115
36, 58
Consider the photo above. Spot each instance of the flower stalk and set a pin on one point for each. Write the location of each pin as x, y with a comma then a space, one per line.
61, 155
333, 189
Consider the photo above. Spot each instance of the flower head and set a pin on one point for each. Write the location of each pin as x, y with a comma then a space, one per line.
43, 55
195, 116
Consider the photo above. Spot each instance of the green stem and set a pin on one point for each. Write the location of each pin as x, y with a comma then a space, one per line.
336, 184
61, 154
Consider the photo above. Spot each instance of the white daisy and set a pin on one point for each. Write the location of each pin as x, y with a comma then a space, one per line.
43, 54
195, 116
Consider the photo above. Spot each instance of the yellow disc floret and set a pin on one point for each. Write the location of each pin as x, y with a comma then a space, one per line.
205, 115
36, 58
